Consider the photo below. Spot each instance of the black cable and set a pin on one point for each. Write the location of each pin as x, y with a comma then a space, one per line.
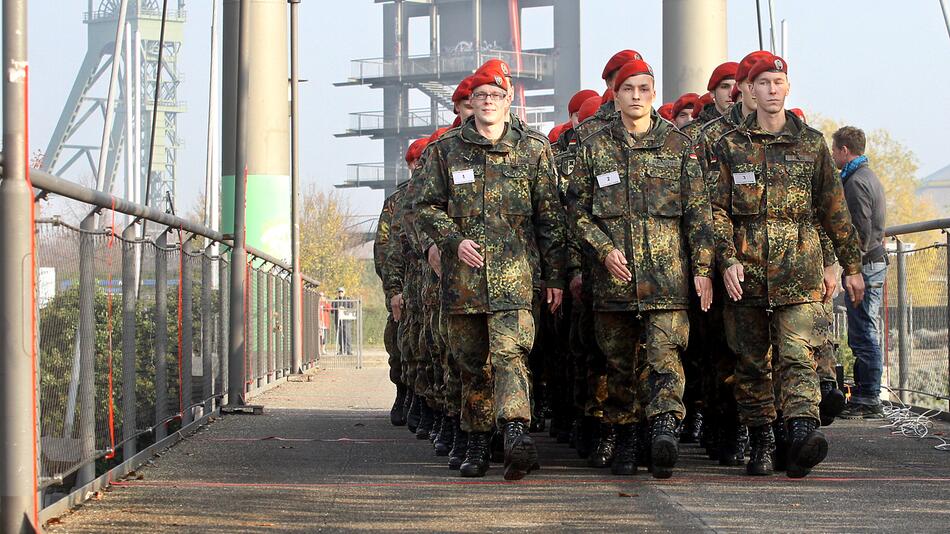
158, 87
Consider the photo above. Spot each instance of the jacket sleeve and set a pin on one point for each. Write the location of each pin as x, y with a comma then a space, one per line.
395, 271
382, 237
431, 204
697, 214
580, 200
832, 211
549, 222
721, 191
859, 205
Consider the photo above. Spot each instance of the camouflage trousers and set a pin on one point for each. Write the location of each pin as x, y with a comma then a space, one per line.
826, 354
590, 364
450, 371
715, 364
558, 369
492, 351
409, 346
653, 372
795, 331
391, 342
432, 348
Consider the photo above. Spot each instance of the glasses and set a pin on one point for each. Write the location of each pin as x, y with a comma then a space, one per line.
491, 97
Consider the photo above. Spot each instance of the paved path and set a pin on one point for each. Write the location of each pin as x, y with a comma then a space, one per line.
339, 465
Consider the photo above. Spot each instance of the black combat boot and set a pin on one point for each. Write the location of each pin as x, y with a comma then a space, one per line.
742, 443
664, 450
729, 444
425, 420
780, 458
443, 442
415, 411
807, 446
437, 417
625, 460
459, 446
603, 453
644, 444
521, 456
476, 456
761, 450
497, 446
832, 402
692, 427
563, 431
538, 423
397, 414
586, 437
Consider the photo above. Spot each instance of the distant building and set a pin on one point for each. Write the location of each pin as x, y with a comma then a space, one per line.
936, 188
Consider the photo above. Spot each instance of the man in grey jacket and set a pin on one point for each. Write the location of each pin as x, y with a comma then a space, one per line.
865, 197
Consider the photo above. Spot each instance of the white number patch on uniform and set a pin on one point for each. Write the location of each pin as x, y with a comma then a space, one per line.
609, 179
463, 177
744, 178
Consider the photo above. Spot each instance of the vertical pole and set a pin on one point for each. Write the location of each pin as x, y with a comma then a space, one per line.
207, 329
296, 311
434, 54
87, 350
18, 462
772, 25
287, 314
104, 149
236, 348
269, 331
947, 289
278, 310
758, 20
477, 30
129, 291
161, 336
187, 333
903, 326
946, 14
129, 117
261, 313
224, 311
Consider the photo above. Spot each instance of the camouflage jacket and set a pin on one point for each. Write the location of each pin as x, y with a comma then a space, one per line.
503, 197
709, 113
565, 157
606, 113
705, 150
387, 257
772, 192
645, 197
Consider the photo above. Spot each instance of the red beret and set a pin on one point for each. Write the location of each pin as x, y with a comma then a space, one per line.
631, 68
556, 132
438, 133
588, 108
415, 150
608, 96
457, 122
726, 71
704, 101
497, 65
578, 99
463, 91
666, 111
771, 64
735, 93
620, 59
799, 113
488, 77
742, 71
686, 101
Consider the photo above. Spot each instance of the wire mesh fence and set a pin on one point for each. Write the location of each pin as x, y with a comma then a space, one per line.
341, 333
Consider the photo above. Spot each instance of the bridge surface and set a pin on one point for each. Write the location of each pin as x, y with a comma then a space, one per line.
324, 457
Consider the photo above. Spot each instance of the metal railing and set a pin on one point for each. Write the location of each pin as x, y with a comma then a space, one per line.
132, 333
533, 65
372, 122
915, 314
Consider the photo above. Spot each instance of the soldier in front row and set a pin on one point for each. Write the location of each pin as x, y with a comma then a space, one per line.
489, 201
638, 200
776, 178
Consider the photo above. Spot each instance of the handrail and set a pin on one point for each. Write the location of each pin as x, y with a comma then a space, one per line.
913, 228
53, 184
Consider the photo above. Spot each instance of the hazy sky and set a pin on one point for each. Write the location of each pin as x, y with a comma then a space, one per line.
870, 63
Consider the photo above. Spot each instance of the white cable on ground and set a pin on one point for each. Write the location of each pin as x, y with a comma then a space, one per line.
903, 421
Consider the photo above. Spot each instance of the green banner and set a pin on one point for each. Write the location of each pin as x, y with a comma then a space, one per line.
268, 212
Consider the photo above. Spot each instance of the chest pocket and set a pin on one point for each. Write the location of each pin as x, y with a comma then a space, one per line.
747, 197
610, 201
516, 186
797, 177
466, 199
664, 194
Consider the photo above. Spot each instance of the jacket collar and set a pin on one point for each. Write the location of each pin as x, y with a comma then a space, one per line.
508, 142
652, 139
791, 133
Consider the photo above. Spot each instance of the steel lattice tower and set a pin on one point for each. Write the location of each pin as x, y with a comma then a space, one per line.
79, 129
